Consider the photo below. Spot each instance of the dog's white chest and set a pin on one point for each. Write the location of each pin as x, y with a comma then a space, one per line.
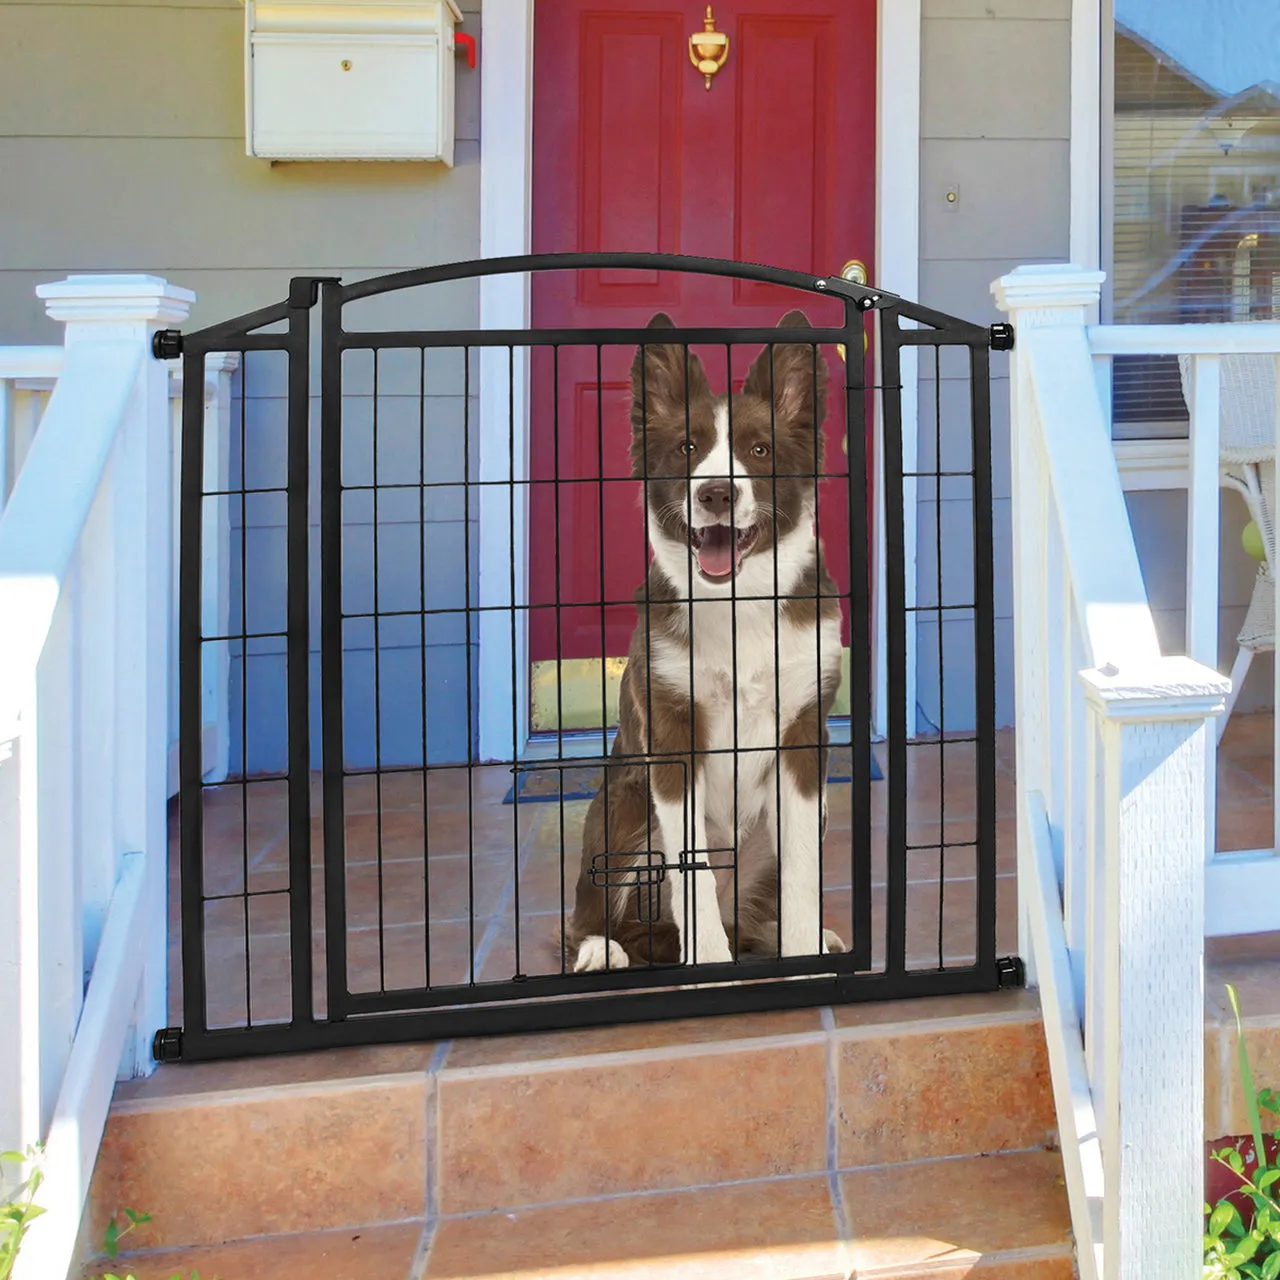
749, 660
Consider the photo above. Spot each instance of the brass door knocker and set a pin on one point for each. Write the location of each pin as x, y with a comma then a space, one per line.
709, 48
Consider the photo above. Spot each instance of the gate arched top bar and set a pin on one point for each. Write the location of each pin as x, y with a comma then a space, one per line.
823, 286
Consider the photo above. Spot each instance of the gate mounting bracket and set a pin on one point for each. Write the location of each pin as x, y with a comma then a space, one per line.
166, 344
166, 1046
1010, 972
1001, 337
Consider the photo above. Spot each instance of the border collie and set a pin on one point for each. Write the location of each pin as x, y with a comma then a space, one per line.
720, 754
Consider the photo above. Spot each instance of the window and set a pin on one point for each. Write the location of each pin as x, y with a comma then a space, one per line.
1196, 183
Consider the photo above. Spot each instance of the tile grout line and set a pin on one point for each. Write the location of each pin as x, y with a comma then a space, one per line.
262, 1092
234, 1242
496, 918
839, 1208
614, 1197
609, 1058
766, 1180
422, 1254
438, 1059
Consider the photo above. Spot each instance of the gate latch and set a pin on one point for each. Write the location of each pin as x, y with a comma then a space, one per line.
1001, 337
1010, 972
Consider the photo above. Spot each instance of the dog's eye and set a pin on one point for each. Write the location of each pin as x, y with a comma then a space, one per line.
688, 447
759, 450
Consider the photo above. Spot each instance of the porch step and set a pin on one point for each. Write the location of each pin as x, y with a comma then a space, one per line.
881, 1140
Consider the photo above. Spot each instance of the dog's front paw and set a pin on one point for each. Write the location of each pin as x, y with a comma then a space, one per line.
713, 949
594, 956
832, 942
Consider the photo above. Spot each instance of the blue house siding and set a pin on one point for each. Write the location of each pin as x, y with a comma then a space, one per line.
426, 557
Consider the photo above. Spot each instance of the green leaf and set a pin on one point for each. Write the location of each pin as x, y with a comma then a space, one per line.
1246, 1074
111, 1239
1235, 1162
1241, 1254
1271, 1268
1221, 1216
1268, 1178
14, 1157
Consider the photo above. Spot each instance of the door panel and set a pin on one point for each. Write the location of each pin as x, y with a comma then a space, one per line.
773, 164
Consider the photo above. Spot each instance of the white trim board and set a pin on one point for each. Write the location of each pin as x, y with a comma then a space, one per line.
506, 207
1086, 142
1242, 893
1153, 464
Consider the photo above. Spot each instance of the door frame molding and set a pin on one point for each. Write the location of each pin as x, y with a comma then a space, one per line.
506, 207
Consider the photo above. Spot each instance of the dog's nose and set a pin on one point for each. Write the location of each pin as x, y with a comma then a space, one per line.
716, 496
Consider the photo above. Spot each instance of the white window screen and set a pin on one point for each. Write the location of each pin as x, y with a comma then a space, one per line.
1196, 212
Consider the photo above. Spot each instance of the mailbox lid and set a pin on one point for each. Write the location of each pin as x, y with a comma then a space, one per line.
354, 17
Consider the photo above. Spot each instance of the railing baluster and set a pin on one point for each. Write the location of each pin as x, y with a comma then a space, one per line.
1275, 702
96, 712
1075, 828
1202, 547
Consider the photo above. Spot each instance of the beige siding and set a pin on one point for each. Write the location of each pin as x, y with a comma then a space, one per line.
995, 119
122, 146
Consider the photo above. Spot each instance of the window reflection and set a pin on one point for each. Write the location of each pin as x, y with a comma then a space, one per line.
1196, 209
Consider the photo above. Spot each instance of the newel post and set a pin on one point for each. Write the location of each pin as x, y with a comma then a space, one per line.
1049, 306
1150, 732
130, 309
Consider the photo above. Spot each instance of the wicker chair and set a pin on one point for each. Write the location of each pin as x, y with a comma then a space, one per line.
1247, 448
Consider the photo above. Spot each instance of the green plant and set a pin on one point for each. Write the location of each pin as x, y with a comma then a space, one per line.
20, 1210
115, 1233
1239, 1246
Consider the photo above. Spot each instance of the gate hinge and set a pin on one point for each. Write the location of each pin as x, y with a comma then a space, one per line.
1001, 337
166, 1046
166, 344
1010, 972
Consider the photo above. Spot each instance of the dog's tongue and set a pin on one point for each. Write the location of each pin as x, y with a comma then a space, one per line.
715, 555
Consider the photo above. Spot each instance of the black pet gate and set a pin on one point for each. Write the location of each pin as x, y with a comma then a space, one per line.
385, 542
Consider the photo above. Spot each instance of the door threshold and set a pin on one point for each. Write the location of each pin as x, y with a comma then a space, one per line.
591, 744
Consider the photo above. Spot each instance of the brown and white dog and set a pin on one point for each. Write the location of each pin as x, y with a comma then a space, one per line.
738, 609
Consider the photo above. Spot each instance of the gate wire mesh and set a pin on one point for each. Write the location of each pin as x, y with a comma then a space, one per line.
669, 825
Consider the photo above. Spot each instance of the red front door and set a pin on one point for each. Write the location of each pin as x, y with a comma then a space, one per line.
773, 164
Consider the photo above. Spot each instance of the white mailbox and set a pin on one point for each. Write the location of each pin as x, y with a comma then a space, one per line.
349, 79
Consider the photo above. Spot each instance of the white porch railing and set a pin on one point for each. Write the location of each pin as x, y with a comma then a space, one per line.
1113, 776
27, 378
85, 583
1242, 888
27, 375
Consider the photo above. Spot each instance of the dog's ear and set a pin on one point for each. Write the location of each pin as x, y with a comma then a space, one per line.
799, 373
665, 378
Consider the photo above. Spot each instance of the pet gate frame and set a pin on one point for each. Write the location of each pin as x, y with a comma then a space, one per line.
560, 1000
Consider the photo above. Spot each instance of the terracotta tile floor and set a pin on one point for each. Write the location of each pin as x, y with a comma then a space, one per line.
800, 1228
451, 917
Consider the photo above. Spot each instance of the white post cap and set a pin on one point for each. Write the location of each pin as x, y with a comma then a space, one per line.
1051, 287
116, 299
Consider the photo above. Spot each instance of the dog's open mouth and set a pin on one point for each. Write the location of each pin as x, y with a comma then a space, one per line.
720, 549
